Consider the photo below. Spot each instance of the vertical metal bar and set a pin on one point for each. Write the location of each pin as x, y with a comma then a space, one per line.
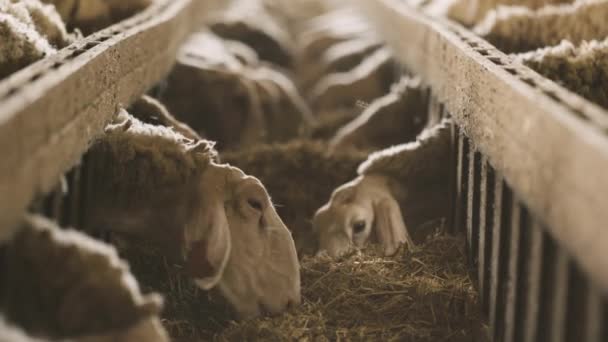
503, 258
495, 265
453, 179
512, 269
533, 283
472, 213
483, 209
523, 270
461, 183
593, 314
560, 296
469, 199
488, 218
548, 271
576, 300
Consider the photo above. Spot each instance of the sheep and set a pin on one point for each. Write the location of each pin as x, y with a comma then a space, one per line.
582, 69
340, 57
471, 12
368, 80
248, 21
90, 16
62, 284
294, 13
410, 178
517, 29
29, 31
312, 174
326, 30
44, 18
151, 111
233, 104
389, 120
155, 184
10, 333
21, 45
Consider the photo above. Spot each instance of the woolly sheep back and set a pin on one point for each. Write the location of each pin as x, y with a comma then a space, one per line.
146, 158
411, 160
582, 69
47, 21
519, 29
21, 45
81, 285
470, 12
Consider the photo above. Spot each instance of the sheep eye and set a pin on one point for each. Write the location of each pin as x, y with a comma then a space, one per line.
358, 227
255, 204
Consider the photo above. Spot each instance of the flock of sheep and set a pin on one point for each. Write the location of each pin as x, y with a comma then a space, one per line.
260, 72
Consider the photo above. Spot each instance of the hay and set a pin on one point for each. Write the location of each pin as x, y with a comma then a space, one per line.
189, 313
425, 295
299, 177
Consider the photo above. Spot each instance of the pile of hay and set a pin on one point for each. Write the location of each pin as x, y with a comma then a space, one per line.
425, 295
421, 296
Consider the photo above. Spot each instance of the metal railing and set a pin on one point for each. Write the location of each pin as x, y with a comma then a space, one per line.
530, 187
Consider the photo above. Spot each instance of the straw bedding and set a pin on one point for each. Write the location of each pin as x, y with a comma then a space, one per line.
424, 295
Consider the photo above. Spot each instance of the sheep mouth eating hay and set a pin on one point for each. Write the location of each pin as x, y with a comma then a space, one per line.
154, 184
399, 187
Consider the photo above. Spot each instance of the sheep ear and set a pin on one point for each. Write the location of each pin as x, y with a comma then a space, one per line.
389, 226
209, 255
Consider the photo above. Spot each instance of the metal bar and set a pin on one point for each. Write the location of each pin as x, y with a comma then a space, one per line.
496, 253
470, 206
564, 187
461, 183
533, 282
560, 296
576, 310
593, 315
450, 224
523, 266
547, 289
488, 217
513, 272
473, 204
503, 258
482, 248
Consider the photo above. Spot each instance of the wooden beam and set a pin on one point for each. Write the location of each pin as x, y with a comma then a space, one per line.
52, 110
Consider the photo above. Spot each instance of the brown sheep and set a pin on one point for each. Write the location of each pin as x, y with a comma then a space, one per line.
155, 184
63, 284
229, 102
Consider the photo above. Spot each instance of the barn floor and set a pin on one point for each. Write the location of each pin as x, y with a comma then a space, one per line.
425, 295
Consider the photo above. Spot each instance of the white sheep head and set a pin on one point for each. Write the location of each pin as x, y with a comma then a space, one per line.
158, 185
240, 244
360, 211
